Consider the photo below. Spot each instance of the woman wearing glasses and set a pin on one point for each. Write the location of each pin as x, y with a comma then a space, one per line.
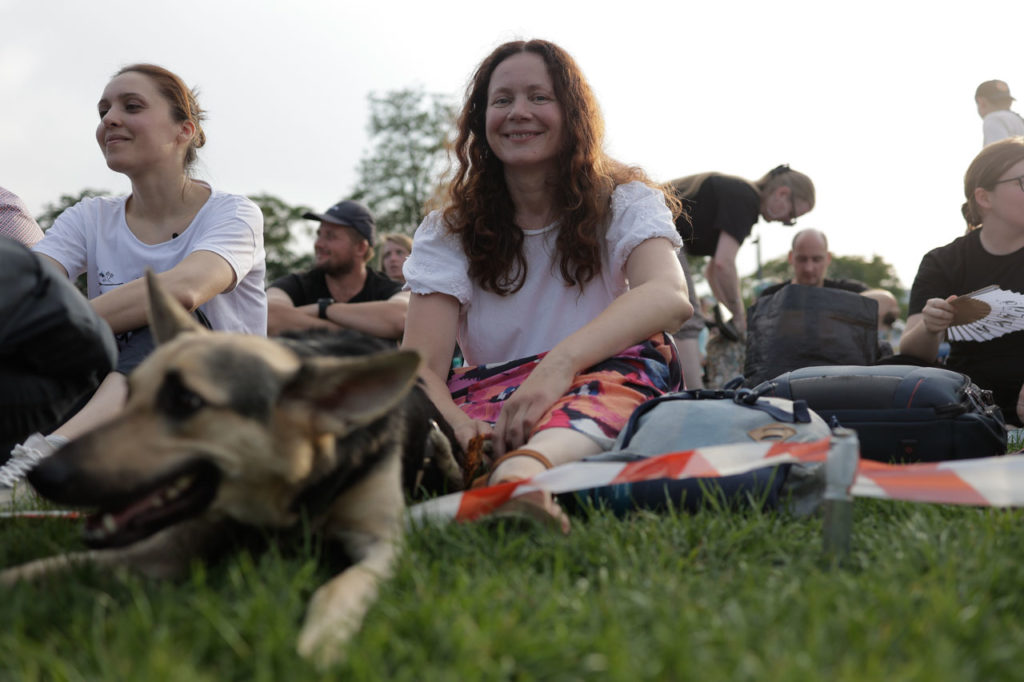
992, 252
721, 210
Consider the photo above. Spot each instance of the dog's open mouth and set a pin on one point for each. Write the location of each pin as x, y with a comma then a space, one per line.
180, 495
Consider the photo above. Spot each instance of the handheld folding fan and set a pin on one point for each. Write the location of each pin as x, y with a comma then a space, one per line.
986, 314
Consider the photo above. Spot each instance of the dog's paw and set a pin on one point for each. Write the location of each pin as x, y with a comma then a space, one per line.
333, 617
33, 570
324, 645
10, 577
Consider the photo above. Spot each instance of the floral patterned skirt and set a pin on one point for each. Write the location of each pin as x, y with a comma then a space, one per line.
597, 404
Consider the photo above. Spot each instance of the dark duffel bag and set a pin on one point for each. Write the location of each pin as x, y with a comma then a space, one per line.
901, 413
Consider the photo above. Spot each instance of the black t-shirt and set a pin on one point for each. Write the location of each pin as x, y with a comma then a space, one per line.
308, 287
851, 285
961, 267
721, 203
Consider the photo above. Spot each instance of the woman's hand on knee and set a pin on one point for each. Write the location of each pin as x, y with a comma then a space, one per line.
521, 412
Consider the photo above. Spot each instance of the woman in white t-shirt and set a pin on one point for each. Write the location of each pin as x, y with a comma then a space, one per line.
205, 246
554, 269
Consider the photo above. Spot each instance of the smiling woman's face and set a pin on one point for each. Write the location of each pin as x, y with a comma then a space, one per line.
524, 120
137, 129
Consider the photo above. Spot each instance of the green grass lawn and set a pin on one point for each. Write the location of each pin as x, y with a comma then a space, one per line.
927, 593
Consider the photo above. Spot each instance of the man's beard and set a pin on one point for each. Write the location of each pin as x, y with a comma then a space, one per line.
339, 269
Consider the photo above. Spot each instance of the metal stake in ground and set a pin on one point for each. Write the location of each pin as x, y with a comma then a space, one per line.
840, 472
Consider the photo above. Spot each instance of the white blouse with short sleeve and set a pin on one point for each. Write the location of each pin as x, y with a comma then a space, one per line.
545, 310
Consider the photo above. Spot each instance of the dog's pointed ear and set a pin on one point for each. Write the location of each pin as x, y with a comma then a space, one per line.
167, 317
352, 391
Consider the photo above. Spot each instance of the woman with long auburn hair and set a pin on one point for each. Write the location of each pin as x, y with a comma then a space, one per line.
552, 266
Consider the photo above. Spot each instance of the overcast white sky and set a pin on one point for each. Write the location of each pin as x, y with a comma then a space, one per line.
874, 100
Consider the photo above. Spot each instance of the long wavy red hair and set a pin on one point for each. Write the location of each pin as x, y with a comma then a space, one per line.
478, 207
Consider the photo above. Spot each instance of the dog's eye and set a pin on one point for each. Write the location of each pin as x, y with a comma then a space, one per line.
178, 401
185, 404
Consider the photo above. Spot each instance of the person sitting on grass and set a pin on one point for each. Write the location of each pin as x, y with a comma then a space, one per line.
554, 268
341, 291
992, 252
205, 245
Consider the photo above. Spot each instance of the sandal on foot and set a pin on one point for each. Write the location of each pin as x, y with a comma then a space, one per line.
484, 480
538, 506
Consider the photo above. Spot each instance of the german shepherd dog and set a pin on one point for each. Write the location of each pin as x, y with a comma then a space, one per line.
223, 432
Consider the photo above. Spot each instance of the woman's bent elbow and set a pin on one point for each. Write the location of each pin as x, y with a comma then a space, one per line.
680, 309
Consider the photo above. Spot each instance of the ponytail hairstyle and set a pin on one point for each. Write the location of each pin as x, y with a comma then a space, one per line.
984, 171
783, 176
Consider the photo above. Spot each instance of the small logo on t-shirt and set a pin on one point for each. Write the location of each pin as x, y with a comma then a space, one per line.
106, 279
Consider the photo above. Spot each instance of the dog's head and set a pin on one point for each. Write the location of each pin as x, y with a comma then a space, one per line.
222, 423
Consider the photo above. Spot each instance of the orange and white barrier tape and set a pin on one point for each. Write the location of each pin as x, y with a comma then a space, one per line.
41, 514
983, 482
988, 481
713, 462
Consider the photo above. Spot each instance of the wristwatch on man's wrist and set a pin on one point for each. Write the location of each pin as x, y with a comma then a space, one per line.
322, 304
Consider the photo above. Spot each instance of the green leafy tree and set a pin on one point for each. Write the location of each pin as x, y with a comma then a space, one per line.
875, 272
776, 269
408, 132
287, 237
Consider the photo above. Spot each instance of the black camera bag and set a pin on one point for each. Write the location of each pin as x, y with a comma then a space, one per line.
901, 413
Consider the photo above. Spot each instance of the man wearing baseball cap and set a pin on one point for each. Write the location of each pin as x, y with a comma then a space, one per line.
341, 291
998, 122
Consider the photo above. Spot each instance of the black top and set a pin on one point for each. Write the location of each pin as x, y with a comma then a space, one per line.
719, 203
960, 267
308, 287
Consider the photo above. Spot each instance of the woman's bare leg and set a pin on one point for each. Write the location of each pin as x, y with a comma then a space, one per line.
105, 404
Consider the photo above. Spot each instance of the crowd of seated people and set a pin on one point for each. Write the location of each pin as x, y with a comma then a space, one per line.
545, 254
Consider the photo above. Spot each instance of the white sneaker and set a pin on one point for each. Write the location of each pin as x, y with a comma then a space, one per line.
26, 455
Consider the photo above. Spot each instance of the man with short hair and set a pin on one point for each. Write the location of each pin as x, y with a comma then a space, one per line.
809, 259
998, 121
341, 291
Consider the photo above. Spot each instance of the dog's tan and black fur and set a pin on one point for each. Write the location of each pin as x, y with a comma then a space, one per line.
222, 430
